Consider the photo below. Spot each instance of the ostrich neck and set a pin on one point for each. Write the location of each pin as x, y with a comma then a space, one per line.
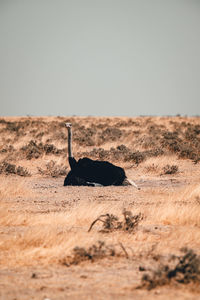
69, 142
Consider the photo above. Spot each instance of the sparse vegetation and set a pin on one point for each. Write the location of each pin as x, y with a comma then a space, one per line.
93, 253
52, 169
116, 140
44, 226
170, 169
185, 271
34, 150
111, 222
7, 168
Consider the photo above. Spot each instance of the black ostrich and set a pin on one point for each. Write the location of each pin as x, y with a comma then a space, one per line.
90, 172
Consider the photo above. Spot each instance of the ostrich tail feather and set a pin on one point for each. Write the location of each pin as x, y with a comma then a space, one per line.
130, 182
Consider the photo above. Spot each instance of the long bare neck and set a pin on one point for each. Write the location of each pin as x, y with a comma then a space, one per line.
69, 142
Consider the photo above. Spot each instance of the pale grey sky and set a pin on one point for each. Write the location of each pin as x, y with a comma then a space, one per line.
99, 57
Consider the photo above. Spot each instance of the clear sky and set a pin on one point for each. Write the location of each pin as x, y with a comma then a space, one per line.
99, 57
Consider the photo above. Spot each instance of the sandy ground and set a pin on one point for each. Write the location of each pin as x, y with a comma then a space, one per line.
42, 222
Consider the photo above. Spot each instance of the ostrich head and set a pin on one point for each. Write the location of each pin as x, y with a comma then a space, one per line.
68, 125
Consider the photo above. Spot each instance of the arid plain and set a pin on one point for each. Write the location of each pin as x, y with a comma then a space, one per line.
111, 242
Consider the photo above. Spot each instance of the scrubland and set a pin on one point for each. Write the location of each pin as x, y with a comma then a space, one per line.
61, 242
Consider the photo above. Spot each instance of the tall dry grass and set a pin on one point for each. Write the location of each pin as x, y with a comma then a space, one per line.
29, 239
179, 208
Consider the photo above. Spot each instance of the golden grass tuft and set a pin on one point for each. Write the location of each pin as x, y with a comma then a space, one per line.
177, 208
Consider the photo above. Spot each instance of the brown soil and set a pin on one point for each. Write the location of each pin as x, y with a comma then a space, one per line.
134, 245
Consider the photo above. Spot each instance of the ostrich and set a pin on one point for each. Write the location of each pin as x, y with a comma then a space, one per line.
90, 172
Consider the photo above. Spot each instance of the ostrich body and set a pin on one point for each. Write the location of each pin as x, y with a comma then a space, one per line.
90, 172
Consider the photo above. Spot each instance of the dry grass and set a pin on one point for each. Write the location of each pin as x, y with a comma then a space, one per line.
43, 239
178, 208
128, 140
43, 224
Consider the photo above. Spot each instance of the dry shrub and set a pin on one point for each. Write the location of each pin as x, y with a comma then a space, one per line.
16, 127
186, 270
7, 149
96, 134
136, 157
52, 169
92, 253
182, 139
185, 144
34, 150
151, 168
7, 168
111, 222
122, 153
173, 169
127, 123
84, 136
109, 134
